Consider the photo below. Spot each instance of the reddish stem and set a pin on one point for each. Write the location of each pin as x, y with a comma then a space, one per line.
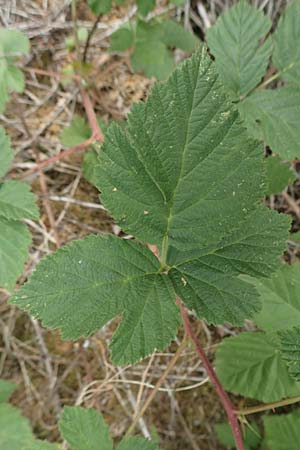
228, 406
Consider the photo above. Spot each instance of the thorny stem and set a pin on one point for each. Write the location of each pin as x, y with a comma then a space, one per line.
266, 407
225, 400
274, 77
169, 367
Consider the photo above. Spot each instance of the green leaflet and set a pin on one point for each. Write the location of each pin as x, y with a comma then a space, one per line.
17, 201
235, 41
15, 432
13, 43
250, 364
282, 431
290, 348
121, 40
280, 298
84, 429
275, 114
6, 389
279, 175
101, 278
286, 55
250, 434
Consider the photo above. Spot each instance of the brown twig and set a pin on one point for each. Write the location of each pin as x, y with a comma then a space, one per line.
225, 400
157, 386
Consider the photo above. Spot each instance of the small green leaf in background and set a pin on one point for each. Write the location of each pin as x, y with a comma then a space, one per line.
145, 6
282, 432
121, 40
13, 44
17, 201
276, 115
90, 162
15, 431
151, 53
84, 429
175, 35
82, 34
6, 153
251, 436
235, 41
14, 243
178, 3
279, 175
76, 133
250, 364
286, 55
6, 390
280, 299
100, 6
290, 348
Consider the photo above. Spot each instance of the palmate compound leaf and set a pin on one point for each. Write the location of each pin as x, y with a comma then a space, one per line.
185, 176
235, 41
286, 55
274, 115
282, 431
87, 283
290, 348
251, 365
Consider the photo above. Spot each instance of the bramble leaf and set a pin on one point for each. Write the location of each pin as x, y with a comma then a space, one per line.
279, 175
250, 364
14, 242
17, 201
6, 389
84, 429
15, 431
282, 431
235, 41
276, 115
286, 55
6, 153
290, 348
280, 299
87, 283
